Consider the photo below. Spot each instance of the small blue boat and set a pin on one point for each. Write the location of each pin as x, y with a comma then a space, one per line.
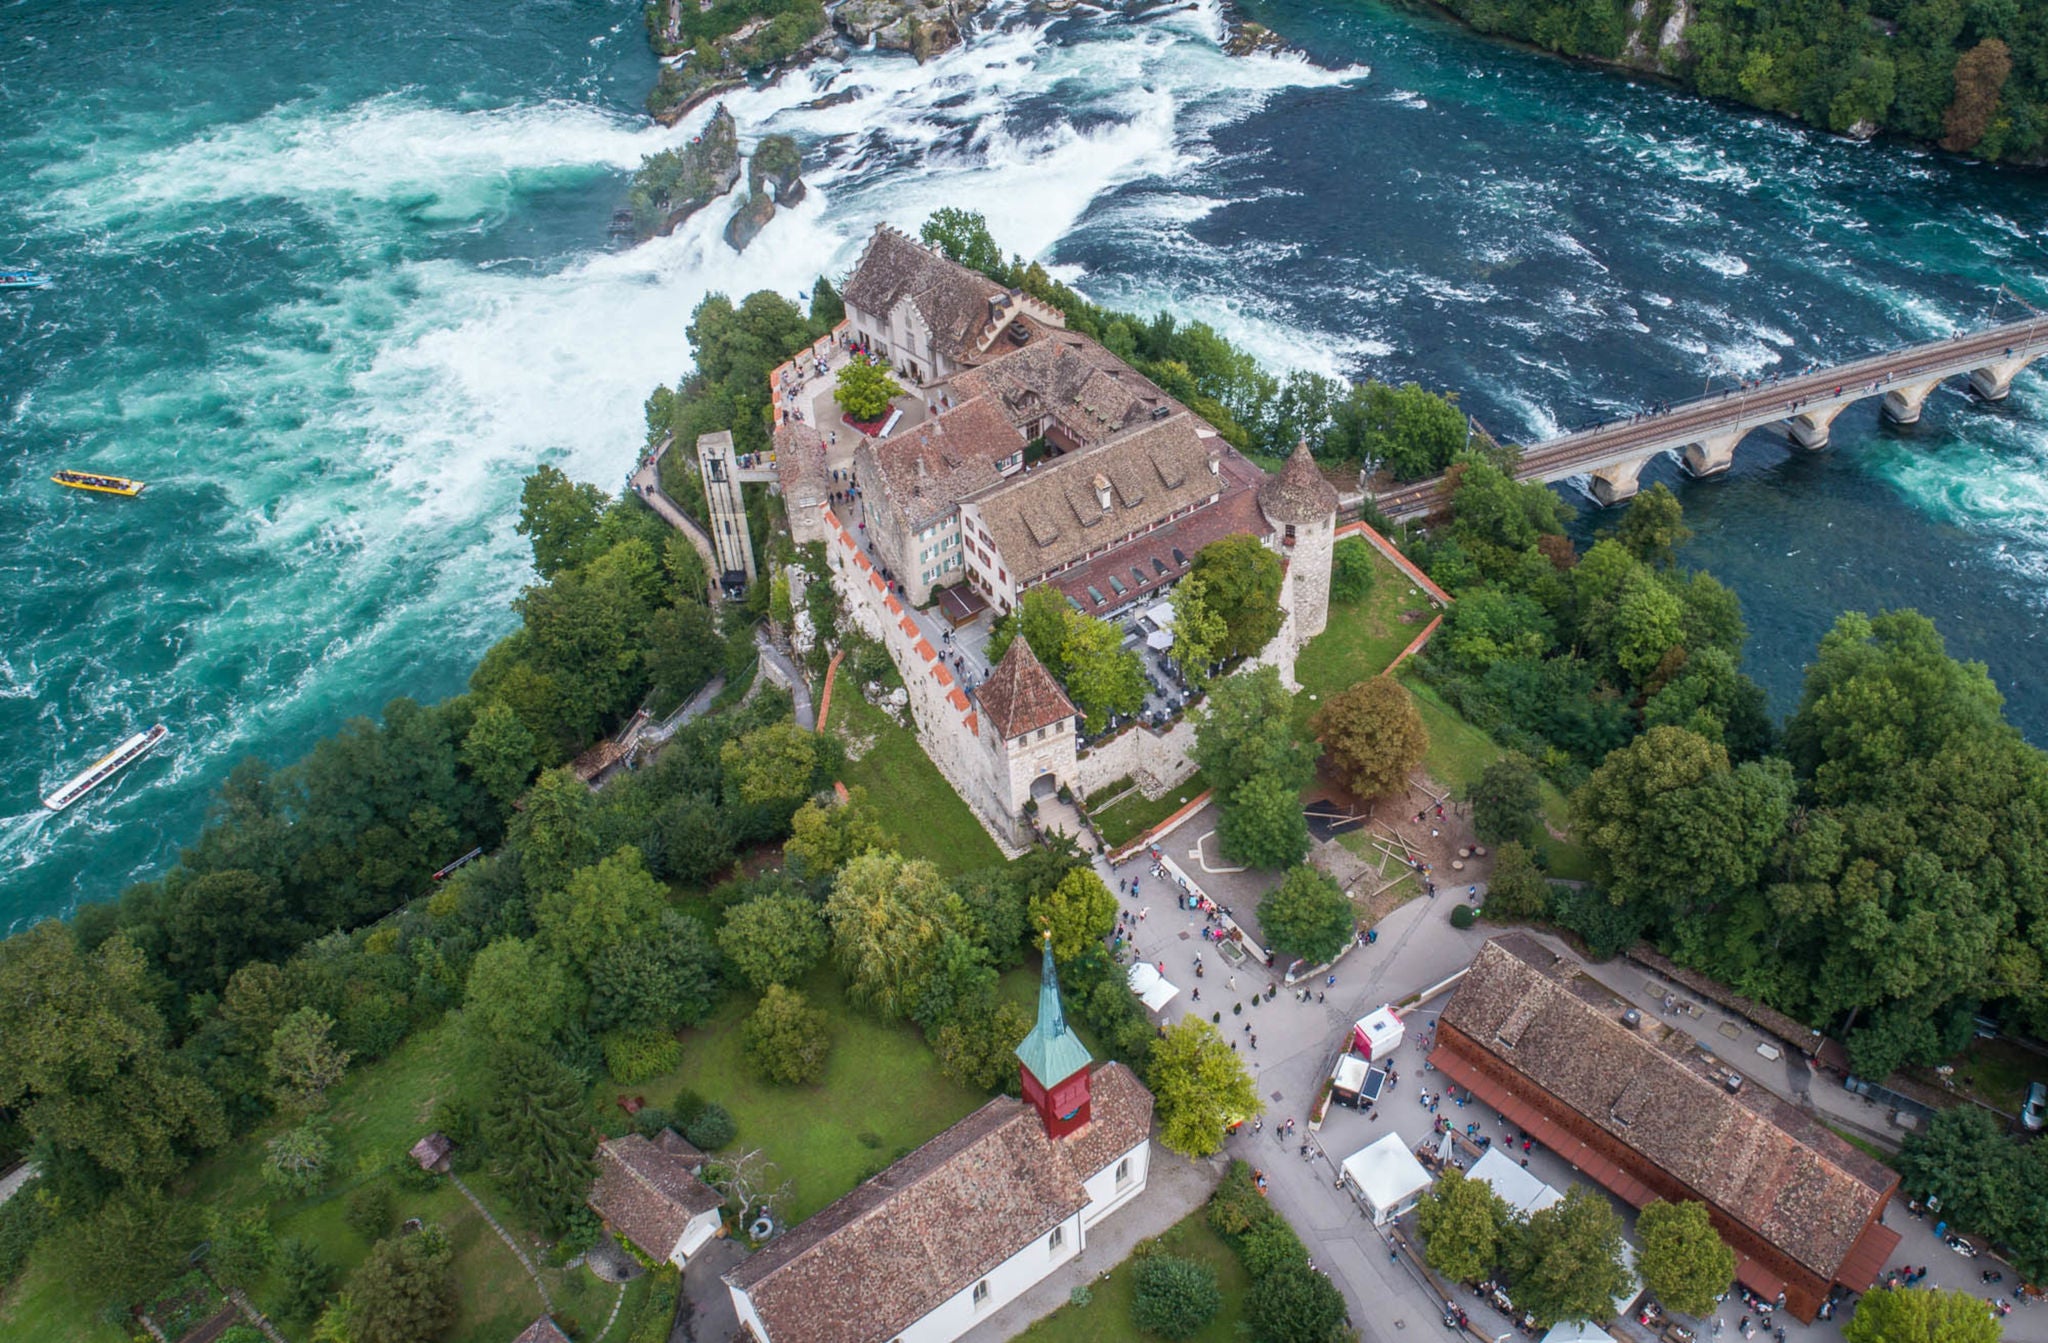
23, 279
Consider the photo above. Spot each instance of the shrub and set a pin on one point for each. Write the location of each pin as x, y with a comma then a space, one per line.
652, 1119
1270, 1245
1237, 1207
368, 1211
296, 1159
1351, 570
1294, 1305
712, 1129
1173, 1297
1463, 916
634, 1056
24, 1220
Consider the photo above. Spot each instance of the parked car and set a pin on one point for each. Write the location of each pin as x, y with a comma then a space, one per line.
2035, 1110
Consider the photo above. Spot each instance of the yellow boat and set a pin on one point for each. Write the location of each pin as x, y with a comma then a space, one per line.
86, 480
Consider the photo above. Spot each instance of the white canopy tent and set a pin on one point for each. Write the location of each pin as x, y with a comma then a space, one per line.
1576, 1331
1386, 1177
1516, 1186
1159, 640
1153, 989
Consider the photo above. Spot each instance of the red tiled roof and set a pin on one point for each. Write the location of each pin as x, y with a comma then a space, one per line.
649, 1191
1235, 513
1020, 695
542, 1330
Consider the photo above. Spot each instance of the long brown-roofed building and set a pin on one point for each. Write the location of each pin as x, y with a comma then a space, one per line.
1648, 1114
951, 1233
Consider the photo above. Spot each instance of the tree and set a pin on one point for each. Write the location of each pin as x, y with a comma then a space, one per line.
296, 1159
601, 907
1566, 1263
1981, 72
1683, 1258
1351, 570
1373, 735
664, 978
683, 647
964, 236
131, 1247
1648, 623
214, 924
1505, 799
825, 834
1198, 632
1653, 529
1711, 696
774, 939
1041, 617
1262, 824
1920, 1315
368, 1210
553, 835
1173, 1297
1200, 1088
1241, 580
304, 1278
303, 1061
1465, 1227
405, 1291
828, 309
785, 1039
888, 918
1079, 912
500, 752
561, 519
1099, 674
1246, 729
771, 765
1517, 889
864, 390
691, 841
977, 1046
1295, 1304
536, 1125
1307, 915
85, 1067
516, 994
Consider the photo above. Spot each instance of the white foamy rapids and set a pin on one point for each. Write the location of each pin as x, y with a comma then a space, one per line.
439, 164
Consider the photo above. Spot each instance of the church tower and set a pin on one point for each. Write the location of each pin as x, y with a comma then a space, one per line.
1052, 1060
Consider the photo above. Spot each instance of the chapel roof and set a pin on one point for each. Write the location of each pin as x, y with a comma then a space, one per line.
906, 1241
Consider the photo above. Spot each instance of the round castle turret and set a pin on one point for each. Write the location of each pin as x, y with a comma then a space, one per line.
1302, 507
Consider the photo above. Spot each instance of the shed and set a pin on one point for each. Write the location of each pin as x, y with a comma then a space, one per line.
432, 1152
542, 1330
1153, 989
1378, 1035
1512, 1181
1355, 1082
1386, 1177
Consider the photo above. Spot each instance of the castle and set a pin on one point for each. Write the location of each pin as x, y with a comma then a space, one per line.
1130, 486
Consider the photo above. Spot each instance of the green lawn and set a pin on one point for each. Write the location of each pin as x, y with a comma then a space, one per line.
1460, 752
882, 1095
1107, 1316
925, 817
1361, 639
1137, 813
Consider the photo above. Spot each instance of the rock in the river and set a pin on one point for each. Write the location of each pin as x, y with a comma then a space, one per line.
676, 183
923, 28
773, 178
748, 221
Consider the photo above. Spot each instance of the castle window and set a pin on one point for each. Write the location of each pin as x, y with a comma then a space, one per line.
981, 1294
1123, 1172
1057, 1239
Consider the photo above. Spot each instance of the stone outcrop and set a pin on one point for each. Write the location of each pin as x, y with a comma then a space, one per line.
924, 28
772, 180
676, 183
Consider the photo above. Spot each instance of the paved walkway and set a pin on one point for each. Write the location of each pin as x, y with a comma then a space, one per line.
510, 1244
1174, 1187
775, 664
646, 482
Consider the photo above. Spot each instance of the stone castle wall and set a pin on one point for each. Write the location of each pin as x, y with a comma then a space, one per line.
1153, 760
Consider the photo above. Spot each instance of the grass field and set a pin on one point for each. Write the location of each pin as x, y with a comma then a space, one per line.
1107, 1316
925, 817
882, 1095
1361, 639
1137, 813
1459, 753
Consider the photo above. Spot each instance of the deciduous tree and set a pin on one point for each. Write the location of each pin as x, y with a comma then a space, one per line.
888, 917
560, 517
405, 1291
500, 751
517, 994
1465, 1227
1262, 824
1198, 631
1920, 1315
1079, 912
1373, 735
600, 907
774, 939
826, 835
1517, 889
1173, 1297
785, 1039
662, 978
296, 1159
864, 390
1504, 799
1566, 1262
1306, 915
1241, 582
1295, 1304
1200, 1087
1653, 527
771, 765
1245, 729
977, 1047
1351, 570
303, 1060
1683, 1258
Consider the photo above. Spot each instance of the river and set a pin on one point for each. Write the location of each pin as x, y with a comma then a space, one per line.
333, 278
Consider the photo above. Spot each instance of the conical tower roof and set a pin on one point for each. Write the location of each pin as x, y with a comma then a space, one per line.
1052, 1052
1299, 494
1020, 695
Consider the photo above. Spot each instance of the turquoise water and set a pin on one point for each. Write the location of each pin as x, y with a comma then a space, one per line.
333, 280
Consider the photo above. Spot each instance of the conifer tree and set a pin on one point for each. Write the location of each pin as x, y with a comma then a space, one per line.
538, 1131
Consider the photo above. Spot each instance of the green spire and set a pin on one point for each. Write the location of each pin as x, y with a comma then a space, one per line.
1051, 1052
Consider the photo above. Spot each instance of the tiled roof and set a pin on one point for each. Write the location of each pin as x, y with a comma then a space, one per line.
1752, 1155
1020, 695
889, 1253
542, 1330
953, 300
1056, 513
928, 469
800, 465
1299, 493
1153, 554
1090, 392
649, 1191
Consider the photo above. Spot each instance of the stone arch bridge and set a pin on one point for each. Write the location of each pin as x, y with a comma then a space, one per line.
1704, 431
